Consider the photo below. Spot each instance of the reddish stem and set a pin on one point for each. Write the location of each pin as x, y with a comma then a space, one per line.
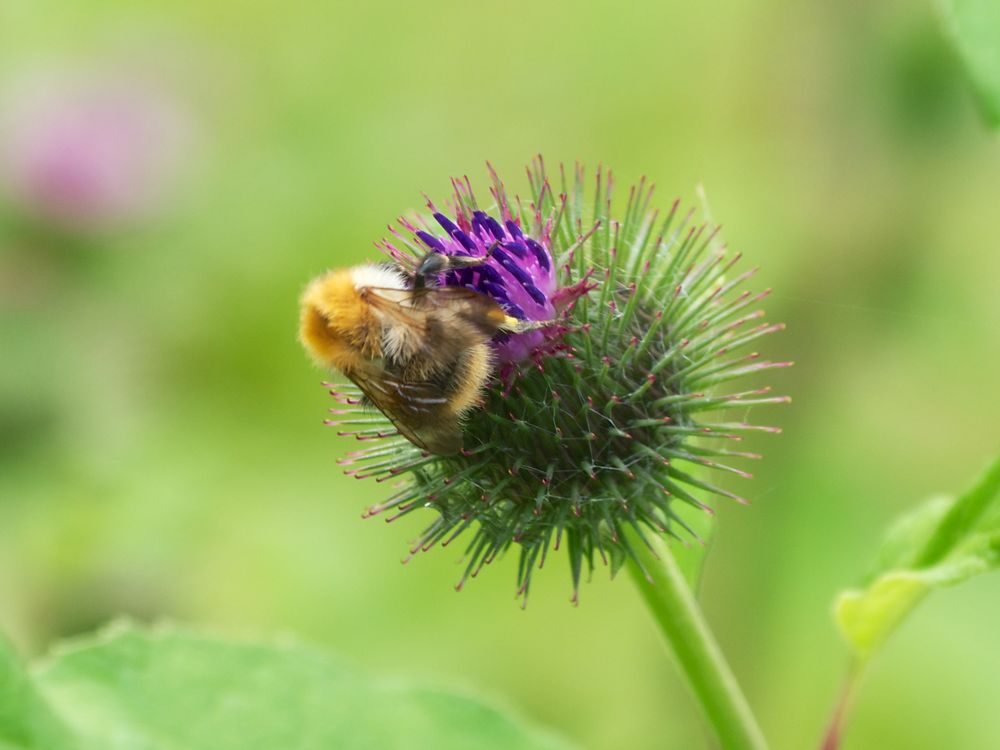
835, 728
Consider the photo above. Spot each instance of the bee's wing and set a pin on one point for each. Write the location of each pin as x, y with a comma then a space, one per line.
410, 307
419, 411
397, 303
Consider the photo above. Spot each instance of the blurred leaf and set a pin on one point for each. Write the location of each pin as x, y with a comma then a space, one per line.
975, 509
909, 534
941, 543
974, 26
26, 722
131, 689
867, 617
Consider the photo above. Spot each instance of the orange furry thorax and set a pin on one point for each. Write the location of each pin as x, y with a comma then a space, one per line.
337, 327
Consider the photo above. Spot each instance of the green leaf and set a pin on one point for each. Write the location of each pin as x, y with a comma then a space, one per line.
974, 27
165, 689
972, 510
941, 543
26, 722
909, 535
867, 617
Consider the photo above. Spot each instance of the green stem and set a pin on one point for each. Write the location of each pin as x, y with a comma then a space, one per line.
682, 624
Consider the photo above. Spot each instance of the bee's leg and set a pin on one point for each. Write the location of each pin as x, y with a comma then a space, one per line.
434, 263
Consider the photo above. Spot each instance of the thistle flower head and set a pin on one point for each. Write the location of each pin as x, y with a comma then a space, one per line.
598, 424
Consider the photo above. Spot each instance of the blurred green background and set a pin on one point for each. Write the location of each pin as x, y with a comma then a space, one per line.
162, 452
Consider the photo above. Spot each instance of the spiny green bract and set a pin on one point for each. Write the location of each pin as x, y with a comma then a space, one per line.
599, 434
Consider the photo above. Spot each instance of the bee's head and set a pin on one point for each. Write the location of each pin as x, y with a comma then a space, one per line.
335, 323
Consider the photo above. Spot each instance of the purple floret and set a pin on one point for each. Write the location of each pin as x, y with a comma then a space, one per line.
518, 273
518, 270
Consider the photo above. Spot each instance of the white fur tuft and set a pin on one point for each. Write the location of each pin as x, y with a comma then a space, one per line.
377, 276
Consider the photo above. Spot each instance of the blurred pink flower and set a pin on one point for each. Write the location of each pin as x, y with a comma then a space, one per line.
90, 153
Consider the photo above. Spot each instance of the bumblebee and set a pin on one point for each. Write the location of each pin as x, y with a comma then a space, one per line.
419, 352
